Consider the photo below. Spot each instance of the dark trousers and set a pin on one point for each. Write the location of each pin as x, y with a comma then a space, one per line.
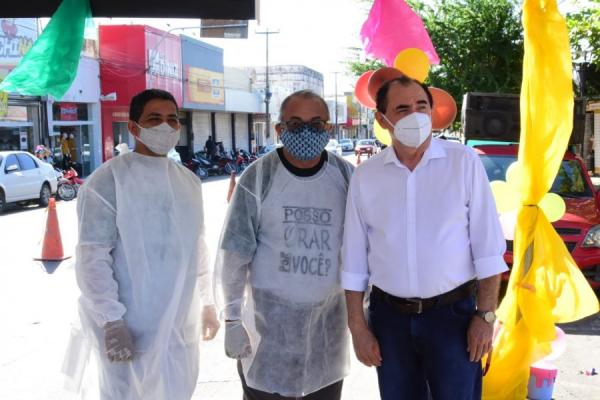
425, 352
331, 392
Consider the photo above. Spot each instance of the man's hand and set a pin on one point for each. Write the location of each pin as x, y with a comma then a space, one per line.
118, 342
366, 347
210, 323
479, 338
237, 342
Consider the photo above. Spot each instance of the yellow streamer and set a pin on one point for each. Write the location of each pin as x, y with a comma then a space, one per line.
546, 286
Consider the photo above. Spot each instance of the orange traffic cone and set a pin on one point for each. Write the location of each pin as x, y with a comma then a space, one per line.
358, 159
52, 249
231, 186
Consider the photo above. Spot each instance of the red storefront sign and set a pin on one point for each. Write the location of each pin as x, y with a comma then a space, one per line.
134, 58
68, 111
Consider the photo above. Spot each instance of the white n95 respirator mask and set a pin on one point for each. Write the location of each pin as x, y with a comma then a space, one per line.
413, 129
160, 139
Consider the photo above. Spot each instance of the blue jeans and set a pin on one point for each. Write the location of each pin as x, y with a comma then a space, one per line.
425, 352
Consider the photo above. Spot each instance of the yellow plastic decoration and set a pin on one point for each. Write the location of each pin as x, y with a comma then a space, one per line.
506, 197
553, 206
381, 133
545, 286
413, 62
514, 175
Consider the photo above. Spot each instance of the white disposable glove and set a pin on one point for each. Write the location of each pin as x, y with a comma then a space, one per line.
118, 342
237, 342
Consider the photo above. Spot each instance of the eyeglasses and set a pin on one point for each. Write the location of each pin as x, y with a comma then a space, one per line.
296, 124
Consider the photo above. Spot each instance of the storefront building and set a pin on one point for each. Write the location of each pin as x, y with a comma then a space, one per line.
22, 121
74, 120
135, 58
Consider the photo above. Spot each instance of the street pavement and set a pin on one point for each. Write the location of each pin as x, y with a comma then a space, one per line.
38, 303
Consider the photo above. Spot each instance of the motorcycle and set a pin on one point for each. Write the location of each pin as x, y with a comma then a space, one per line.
68, 184
221, 165
244, 159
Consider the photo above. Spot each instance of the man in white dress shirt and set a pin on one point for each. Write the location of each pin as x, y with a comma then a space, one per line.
421, 228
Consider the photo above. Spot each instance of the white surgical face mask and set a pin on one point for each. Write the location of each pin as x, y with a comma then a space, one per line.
413, 129
160, 139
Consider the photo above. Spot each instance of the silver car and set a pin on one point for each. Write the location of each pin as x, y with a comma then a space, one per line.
334, 147
24, 178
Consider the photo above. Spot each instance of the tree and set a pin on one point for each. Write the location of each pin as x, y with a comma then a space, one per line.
480, 44
584, 30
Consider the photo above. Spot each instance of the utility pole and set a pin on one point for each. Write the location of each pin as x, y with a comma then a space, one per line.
268, 93
335, 108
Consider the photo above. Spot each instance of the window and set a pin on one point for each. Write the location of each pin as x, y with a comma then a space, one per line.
26, 162
10, 161
569, 181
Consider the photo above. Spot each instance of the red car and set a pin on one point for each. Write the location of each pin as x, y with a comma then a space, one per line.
580, 226
365, 146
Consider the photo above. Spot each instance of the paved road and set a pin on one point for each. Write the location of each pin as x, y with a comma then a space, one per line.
38, 305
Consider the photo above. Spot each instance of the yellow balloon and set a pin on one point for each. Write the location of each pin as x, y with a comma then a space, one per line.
382, 134
413, 62
553, 206
504, 194
514, 175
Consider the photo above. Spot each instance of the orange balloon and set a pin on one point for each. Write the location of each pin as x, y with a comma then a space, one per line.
379, 77
444, 109
361, 93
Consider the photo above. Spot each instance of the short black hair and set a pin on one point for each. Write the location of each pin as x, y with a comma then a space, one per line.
382, 93
139, 101
303, 94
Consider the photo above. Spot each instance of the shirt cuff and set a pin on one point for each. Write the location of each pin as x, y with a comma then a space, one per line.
354, 281
490, 266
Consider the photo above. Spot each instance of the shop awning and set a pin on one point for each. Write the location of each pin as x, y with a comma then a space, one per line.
207, 9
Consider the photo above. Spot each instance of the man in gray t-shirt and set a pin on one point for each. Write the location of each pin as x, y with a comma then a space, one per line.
278, 265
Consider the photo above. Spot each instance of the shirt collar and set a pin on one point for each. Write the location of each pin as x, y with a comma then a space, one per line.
435, 150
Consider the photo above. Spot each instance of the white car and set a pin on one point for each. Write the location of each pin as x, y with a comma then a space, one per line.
347, 144
24, 178
334, 147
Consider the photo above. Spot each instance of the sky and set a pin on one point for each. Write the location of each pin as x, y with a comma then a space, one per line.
314, 33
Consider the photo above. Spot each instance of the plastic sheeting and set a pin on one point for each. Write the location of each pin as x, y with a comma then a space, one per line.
142, 257
278, 268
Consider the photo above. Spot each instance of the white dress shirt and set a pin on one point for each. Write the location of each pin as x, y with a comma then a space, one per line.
424, 232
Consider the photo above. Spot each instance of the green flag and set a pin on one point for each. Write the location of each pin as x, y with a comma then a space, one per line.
50, 66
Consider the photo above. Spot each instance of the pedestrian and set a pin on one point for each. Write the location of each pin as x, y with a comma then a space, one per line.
142, 263
279, 257
421, 228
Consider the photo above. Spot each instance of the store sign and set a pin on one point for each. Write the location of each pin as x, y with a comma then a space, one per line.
3, 104
224, 28
16, 38
160, 66
68, 112
203, 86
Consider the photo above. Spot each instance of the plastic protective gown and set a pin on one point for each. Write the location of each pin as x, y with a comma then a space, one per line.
279, 257
141, 256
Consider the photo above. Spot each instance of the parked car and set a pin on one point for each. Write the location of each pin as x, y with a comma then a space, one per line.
24, 178
334, 147
365, 146
580, 226
347, 144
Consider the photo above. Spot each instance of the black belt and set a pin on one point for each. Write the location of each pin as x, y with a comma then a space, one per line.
417, 306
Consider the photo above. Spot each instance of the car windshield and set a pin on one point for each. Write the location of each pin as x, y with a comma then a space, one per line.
365, 142
345, 141
569, 182
332, 142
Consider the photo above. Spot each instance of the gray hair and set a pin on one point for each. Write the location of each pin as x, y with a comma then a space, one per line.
306, 95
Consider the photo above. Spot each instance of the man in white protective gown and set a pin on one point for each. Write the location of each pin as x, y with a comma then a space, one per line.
142, 264
278, 266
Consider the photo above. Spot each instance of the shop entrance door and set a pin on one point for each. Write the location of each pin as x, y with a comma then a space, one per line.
74, 142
